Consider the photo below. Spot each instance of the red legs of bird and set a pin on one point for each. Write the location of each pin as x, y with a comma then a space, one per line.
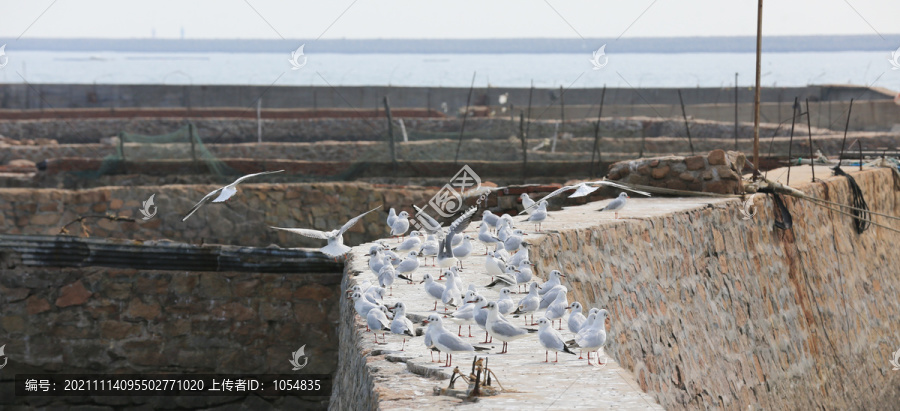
580, 356
404, 344
367, 329
545, 356
449, 360
459, 332
504, 350
486, 338
435, 305
598, 359
470, 332
560, 324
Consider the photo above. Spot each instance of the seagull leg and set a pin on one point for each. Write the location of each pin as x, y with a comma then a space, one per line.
485, 338
598, 358
459, 331
432, 355
545, 356
435, 305
404, 344
557, 357
580, 356
560, 324
470, 332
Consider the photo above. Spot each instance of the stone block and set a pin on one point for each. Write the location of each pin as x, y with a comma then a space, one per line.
118, 330
716, 158
689, 177
138, 309
73, 294
36, 305
695, 163
660, 172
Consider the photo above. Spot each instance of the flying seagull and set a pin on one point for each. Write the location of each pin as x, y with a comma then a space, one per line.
224, 193
583, 189
335, 247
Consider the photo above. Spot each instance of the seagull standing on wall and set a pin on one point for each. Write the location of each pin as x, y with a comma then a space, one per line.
617, 204
335, 247
224, 193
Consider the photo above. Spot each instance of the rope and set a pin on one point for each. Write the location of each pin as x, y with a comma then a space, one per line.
861, 209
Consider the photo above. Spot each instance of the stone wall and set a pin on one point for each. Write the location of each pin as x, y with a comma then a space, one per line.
712, 311
102, 320
244, 220
354, 388
716, 172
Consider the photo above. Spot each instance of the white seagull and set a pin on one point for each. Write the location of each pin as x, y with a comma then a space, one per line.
501, 327
444, 340
335, 238
527, 202
583, 189
224, 193
551, 340
617, 204
401, 224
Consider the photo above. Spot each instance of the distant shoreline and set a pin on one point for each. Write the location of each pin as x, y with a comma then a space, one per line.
735, 44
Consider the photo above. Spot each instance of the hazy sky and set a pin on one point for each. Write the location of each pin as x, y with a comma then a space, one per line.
439, 19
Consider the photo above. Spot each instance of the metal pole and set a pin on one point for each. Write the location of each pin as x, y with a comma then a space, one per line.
465, 115
735, 111
686, 126
756, 93
846, 127
524, 138
791, 141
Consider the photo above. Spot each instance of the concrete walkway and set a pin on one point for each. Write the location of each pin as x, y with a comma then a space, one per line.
405, 380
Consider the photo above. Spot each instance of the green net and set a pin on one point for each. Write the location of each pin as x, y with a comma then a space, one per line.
180, 146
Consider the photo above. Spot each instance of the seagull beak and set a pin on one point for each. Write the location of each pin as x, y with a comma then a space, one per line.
424, 321
568, 308
420, 282
485, 307
563, 276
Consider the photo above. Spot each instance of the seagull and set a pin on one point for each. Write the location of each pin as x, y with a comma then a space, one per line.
374, 295
593, 336
487, 238
505, 303
539, 215
451, 295
529, 303
583, 189
444, 340
514, 241
335, 247
501, 328
411, 243
481, 315
361, 304
489, 218
386, 277
466, 314
435, 291
224, 193
429, 248
445, 256
553, 281
527, 202
407, 266
401, 224
576, 318
520, 255
377, 320
616, 204
557, 309
464, 249
523, 272
551, 340
551, 296
392, 217
402, 325
494, 266
376, 259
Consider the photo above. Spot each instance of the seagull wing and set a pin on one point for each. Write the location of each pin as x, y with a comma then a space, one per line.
306, 232
236, 182
354, 220
617, 185
549, 196
200, 203
431, 226
583, 190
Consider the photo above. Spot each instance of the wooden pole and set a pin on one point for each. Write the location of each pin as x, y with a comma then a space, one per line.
735, 111
597, 131
390, 121
756, 92
462, 128
812, 163
686, 126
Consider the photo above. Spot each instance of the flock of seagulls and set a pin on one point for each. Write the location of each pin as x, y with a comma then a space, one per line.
432, 261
